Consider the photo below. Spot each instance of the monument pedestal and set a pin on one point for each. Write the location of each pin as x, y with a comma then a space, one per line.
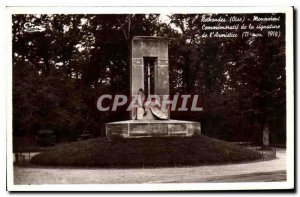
152, 128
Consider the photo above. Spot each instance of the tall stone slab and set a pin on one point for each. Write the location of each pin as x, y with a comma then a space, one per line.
155, 48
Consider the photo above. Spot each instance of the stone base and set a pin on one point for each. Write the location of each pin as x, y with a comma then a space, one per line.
152, 128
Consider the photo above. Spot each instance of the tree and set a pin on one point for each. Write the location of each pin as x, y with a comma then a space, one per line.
59, 74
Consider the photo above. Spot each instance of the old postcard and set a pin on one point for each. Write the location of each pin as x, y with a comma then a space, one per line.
150, 98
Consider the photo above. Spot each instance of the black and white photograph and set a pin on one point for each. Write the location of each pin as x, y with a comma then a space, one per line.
150, 99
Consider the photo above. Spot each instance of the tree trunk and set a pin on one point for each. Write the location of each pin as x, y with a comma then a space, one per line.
266, 135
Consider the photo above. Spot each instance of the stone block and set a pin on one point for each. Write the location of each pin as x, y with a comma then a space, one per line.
152, 128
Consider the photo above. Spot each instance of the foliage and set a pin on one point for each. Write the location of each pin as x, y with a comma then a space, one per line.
59, 74
46, 138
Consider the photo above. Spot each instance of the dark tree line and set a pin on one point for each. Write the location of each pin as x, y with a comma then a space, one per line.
59, 73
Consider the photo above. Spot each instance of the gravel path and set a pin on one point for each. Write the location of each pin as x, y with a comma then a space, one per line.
272, 170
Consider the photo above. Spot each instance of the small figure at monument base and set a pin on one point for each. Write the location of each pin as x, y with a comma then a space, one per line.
148, 109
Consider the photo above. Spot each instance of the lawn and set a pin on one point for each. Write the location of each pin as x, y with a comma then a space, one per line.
145, 152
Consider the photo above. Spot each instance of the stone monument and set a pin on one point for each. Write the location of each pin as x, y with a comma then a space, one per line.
149, 77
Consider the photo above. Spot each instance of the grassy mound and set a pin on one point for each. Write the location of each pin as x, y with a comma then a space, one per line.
142, 152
